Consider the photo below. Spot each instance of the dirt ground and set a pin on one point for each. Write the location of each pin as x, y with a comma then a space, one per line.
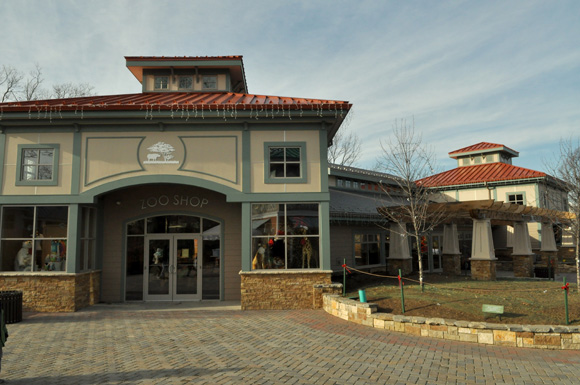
529, 302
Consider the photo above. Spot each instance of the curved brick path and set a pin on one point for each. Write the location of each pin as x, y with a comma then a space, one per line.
167, 345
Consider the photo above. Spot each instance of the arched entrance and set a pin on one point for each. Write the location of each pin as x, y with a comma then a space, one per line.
173, 258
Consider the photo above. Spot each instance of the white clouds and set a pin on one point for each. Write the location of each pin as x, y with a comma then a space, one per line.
497, 71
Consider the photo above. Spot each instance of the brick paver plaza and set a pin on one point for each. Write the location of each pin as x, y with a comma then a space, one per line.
182, 344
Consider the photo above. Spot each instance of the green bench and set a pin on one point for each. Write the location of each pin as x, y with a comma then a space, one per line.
493, 309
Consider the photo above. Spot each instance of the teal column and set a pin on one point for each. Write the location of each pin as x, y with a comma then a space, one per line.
323, 140
325, 236
2, 155
73, 244
246, 249
76, 163
246, 160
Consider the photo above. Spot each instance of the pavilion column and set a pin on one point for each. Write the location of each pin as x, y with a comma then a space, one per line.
522, 255
399, 254
451, 255
483, 260
548, 248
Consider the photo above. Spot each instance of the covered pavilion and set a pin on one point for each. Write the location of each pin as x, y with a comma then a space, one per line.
483, 214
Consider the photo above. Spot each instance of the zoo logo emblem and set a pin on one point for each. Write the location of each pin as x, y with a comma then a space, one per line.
160, 150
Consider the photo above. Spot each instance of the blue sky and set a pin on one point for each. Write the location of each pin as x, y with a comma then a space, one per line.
467, 71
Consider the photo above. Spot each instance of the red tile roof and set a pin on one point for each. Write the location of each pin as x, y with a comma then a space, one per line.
189, 101
482, 147
481, 173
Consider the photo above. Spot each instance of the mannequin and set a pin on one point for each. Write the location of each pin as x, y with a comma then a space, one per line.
23, 261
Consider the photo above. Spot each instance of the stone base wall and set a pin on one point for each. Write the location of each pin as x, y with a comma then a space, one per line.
523, 265
279, 290
54, 292
525, 336
393, 266
451, 264
483, 270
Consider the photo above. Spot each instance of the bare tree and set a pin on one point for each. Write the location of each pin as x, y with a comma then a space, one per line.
406, 157
15, 86
10, 80
345, 149
566, 169
70, 90
32, 83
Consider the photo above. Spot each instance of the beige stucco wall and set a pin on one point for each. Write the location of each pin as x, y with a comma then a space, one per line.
123, 205
65, 140
109, 157
310, 137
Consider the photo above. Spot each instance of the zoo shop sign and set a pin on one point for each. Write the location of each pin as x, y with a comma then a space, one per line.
175, 200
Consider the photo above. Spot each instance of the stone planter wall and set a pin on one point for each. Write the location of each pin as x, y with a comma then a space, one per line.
525, 336
54, 292
280, 289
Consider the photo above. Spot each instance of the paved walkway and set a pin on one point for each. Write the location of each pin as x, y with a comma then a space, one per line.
183, 344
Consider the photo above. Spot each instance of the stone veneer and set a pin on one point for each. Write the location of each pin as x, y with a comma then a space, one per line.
394, 264
451, 264
525, 336
483, 269
54, 292
284, 289
523, 265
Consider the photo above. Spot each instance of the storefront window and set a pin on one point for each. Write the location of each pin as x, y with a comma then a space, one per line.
285, 236
367, 250
34, 238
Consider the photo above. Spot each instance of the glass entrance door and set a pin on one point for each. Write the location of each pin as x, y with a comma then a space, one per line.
172, 267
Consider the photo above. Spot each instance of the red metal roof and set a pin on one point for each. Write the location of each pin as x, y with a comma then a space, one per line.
481, 173
482, 147
189, 101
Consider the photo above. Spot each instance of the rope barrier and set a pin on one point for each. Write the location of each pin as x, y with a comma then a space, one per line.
440, 286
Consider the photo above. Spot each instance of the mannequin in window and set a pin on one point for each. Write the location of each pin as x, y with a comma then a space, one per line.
259, 261
23, 261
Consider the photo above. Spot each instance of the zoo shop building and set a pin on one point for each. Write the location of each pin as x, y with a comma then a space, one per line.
192, 189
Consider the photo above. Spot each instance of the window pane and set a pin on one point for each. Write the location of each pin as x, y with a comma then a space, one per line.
46, 156
28, 172
17, 255
156, 225
44, 172
211, 269
210, 82
302, 218
211, 230
51, 221
277, 154
161, 82
293, 154
17, 222
303, 253
186, 82
134, 279
183, 224
136, 227
277, 170
293, 170
374, 254
30, 156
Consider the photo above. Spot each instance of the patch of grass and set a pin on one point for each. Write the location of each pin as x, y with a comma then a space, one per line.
460, 298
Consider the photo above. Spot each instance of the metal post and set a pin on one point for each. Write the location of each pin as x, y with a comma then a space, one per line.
344, 278
402, 293
565, 287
